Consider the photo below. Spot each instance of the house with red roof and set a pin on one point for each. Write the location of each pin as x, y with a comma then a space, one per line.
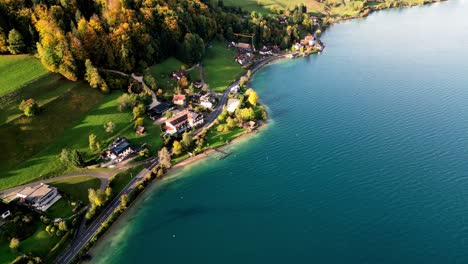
179, 99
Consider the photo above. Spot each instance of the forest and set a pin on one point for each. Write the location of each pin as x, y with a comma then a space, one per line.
75, 38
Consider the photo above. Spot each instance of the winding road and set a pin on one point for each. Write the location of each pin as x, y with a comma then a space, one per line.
83, 238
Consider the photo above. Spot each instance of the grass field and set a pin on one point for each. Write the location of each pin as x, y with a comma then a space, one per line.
6, 255
44, 90
18, 70
266, 6
161, 72
40, 243
119, 181
32, 146
77, 187
216, 139
220, 67
60, 209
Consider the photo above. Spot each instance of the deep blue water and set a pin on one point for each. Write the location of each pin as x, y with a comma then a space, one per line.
365, 159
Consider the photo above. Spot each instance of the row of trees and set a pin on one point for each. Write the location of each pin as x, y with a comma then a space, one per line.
74, 38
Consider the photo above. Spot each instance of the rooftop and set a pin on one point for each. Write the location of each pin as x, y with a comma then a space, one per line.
36, 191
177, 120
161, 107
178, 97
119, 145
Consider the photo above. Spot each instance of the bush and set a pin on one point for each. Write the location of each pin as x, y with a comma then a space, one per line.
29, 107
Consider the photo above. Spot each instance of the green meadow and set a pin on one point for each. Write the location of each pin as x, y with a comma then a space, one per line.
18, 70
33, 144
77, 187
220, 67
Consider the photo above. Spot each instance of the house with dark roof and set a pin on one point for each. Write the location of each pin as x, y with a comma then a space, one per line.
159, 110
183, 122
119, 149
177, 75
208, 100
4, 211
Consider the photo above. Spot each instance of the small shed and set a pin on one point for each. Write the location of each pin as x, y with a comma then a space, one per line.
140, 130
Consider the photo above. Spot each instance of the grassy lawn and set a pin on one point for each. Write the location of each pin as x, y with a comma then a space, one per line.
18, 70
194, 74
216, 139
44, 90
6, 255
220, 67
119, 181
33, 145
61, 209
265, 6
162, 71
77, 187
40, 243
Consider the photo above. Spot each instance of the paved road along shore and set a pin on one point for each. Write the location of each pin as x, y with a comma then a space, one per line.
82, 239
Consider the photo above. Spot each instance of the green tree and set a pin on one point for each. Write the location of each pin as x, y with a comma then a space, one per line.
63, 226
168, 114
15, 42
176, 148
138, 111
193, 48
223, 116
243, 81
3, 42
65, 155
124, 200
231, 122
96, 198
14, 244
76, 158
164, 158
138, 122
92, 75
187, 140
109, 127
126, 101
245, 114
29, 107
108, 192
92, 142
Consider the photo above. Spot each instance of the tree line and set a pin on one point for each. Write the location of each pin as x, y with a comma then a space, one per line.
74, 38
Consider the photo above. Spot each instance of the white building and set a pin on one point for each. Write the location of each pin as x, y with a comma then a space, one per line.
235, 89
207, 100
41, 196
232, 105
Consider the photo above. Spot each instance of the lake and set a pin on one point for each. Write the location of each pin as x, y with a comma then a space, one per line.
364, 160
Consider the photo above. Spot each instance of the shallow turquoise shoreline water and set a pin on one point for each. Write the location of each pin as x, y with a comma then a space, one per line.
364, 161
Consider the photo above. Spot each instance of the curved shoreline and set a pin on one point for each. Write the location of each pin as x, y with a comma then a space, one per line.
193, 160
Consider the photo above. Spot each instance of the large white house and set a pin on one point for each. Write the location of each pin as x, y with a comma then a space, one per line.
40, 197
182, 122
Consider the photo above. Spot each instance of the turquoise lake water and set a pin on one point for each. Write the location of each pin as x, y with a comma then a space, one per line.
365, 159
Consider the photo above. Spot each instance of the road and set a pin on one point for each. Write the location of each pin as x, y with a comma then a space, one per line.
82, 239
225, 96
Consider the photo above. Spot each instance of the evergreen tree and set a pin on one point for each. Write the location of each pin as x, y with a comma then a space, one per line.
15, 42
